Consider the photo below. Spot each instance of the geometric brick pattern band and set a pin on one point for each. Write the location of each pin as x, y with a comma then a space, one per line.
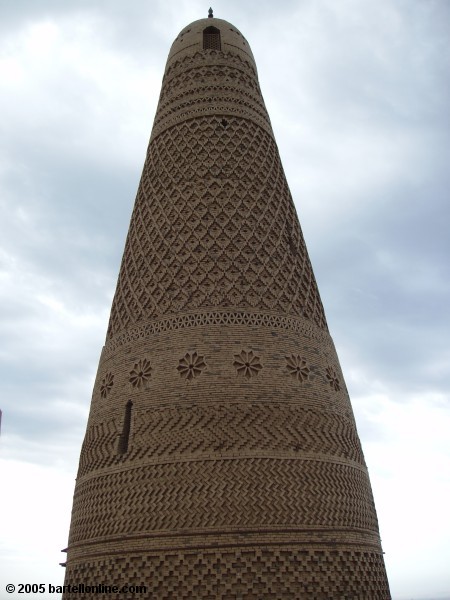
184, 432
230, 317
225, 495
194, 246
290, 573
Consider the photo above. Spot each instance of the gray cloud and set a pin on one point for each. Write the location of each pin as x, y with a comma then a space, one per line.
358, 95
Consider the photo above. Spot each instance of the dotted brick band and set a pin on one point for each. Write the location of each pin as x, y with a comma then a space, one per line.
293, 324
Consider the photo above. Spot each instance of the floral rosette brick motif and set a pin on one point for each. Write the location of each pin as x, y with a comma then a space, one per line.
297, 367
333, 379
247, 364
191, 365
140, 375
106, 385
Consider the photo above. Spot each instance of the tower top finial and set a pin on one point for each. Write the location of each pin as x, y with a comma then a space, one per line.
210, 13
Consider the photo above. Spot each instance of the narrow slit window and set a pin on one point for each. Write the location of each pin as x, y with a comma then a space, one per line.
211, 39
125, 435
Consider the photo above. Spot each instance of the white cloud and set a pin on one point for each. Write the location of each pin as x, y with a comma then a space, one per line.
410, 471
35, 504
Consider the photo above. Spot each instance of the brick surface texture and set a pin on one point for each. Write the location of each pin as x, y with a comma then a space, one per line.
221, 457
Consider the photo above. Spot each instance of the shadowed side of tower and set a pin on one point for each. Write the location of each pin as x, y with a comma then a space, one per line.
221, 458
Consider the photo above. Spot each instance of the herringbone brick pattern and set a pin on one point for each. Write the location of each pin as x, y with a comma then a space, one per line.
223, 494
229, 430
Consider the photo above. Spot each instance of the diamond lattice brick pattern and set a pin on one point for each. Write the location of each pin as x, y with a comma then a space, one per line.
214, 225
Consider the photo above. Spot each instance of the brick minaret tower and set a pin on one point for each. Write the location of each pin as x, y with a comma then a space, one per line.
221, 458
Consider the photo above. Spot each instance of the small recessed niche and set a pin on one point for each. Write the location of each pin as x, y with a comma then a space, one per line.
211, 39
125, 435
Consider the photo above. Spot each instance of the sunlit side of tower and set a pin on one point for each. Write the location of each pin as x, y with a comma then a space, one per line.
221, 457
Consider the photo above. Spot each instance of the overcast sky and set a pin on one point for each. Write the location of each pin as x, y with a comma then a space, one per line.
358, 92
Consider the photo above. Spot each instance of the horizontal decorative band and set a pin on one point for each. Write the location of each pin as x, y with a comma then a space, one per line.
216, 537
221, 108
294, 324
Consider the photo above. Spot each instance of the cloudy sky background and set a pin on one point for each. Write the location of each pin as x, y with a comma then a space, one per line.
358, 93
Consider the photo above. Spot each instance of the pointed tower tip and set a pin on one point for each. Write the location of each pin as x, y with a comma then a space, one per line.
210, 13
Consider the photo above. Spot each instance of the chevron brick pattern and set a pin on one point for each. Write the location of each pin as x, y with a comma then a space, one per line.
223, 494
228, 430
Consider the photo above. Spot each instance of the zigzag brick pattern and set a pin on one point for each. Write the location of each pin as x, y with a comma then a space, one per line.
194, 432
221, 458
247, 493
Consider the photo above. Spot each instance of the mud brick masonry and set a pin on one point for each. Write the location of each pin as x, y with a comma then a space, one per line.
221, 457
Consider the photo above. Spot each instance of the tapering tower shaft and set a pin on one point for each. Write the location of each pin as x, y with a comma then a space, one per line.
221, 458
